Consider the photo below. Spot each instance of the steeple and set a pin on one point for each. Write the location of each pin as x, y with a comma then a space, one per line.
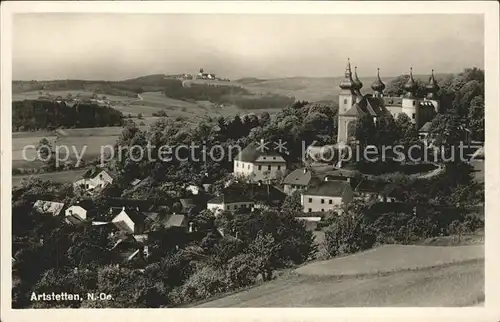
357, 82
347, 83
410, 85
378, 86
432, 87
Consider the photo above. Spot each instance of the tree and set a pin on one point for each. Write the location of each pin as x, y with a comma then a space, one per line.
264, 118
348, 233
387, 132
264, 252
396, 86
465, 95
291, 204
446, 134
476, 118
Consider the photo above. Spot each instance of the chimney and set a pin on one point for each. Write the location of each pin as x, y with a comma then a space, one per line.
305, 170
190, 226
123, 208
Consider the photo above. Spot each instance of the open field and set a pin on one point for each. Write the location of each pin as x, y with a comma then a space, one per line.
446, 286
392, 258
154, 102
62, 176
77, 141
385, 276
22, 140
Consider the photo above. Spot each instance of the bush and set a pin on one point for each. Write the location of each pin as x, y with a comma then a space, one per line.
204, 283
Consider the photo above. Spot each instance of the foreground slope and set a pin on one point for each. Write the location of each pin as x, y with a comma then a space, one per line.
372, 278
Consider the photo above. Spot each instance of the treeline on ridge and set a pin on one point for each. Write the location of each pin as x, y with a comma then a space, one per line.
221, 94
32, 115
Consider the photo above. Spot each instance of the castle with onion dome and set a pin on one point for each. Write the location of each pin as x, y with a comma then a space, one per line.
353, 104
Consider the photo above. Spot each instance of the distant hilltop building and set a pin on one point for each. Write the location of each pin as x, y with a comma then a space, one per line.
203, 75
353, 104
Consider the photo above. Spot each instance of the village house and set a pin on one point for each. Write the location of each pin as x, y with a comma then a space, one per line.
75, 215
129, 220
370, 190
301, 179
247, 196
48, 207
327, 195
298, 179
98, 182
258, 165
424, 131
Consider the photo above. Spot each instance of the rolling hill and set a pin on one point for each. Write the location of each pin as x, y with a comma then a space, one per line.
391, 275
302, 88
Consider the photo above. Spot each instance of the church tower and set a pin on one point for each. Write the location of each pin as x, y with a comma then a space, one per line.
432, 88
347, 97
357, 85
378, 86
410, 102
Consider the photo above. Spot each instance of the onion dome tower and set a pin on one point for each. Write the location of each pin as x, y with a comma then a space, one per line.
432, 87
357, 82
347, 83
378, 86
410, 86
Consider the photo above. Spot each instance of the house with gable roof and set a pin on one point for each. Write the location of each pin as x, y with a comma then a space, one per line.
327, 195
259, 163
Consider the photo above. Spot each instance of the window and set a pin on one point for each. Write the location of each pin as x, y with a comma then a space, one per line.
413, 103
248, 167
413, 116
260, 167
310, 199
274, 158
322, 210
310, 210
268, 167
330, 201
345, 100
279, 167
322, 201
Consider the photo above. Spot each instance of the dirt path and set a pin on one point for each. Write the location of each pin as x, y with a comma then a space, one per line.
459, 284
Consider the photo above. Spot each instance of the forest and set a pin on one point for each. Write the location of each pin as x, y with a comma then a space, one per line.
33, 115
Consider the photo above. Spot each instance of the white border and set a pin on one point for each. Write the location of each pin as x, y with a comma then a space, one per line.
490, 10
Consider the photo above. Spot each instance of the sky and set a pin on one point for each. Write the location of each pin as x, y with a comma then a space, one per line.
120, 46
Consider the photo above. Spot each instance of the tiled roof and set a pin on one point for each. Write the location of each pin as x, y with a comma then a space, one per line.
249, 193
48, 207
298, 177
73, 220
176, 221
426, 127
371, 186
333, 188
252, 152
